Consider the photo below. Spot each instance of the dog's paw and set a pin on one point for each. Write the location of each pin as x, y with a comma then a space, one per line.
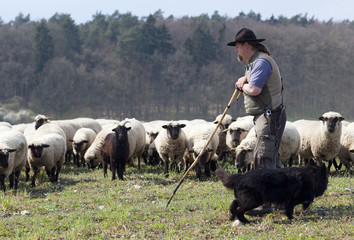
237, 223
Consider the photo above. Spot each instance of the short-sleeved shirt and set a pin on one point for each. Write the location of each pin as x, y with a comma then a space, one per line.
260, 73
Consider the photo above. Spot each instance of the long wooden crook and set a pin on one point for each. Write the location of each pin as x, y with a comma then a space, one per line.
237, 94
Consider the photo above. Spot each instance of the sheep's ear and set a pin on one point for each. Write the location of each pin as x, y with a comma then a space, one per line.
216, 122
321, 118
45, 145
114, 130
191, 151
11, 150
30, 146
351, 150
225, 130
341, 118
85, 141
210, 150
128, 128
70, 140
233, 120
165, 126
182, 125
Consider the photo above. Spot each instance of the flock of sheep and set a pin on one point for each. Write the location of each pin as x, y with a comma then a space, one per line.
49, 144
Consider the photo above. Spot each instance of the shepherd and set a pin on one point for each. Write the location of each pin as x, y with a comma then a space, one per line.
263, 98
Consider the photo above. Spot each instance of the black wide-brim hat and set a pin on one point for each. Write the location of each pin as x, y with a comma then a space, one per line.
245, 35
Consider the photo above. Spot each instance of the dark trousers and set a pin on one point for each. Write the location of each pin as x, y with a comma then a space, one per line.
269, 131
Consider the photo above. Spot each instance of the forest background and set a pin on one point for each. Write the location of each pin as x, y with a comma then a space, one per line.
117, 66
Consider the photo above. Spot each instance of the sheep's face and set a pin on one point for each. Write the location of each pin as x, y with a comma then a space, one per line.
121, 133
40, 121
331, 122
173, 129
235, 135
37, 150
4, 157
152, 136
80, 146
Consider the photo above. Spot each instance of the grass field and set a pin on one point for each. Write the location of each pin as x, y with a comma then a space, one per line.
84, 205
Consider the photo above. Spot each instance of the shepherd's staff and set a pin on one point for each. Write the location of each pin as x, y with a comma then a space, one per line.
207, 144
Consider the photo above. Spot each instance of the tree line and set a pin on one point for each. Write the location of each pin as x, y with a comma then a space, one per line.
120, 65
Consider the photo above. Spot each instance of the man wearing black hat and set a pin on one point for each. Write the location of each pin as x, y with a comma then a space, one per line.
263, 97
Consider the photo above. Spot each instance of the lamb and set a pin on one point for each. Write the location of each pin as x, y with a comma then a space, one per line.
320, 139
346, 153
171, 144
46, 148
93, 156
13, 157
288, 150
127, 140
197, 138
222, 149
82, 140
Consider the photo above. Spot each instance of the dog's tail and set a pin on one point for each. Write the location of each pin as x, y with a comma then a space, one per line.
225, 178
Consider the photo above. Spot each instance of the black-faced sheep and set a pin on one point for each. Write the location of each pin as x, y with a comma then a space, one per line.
46, 147
93, 157
346, 153
82, 140
288, 150
13, 156
171, 144
225, 123
197, 138
320, 139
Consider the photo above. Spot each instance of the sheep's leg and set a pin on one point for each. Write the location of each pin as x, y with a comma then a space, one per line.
166, 161
77, 159
2, 181
35, 171
105, 166
113, 168
58, 169
11, 179
17, 177
82, 160
336, 166
120, 170
138, 162
207, 169
28, 169
198, 171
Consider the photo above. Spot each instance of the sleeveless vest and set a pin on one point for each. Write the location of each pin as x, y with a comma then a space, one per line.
271, 96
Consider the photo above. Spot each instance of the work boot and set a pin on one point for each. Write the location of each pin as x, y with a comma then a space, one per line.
260, 211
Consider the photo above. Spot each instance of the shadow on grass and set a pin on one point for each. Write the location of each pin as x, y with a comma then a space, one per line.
44, 186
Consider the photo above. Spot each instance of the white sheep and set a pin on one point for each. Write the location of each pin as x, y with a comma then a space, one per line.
93, 156
346, 153
225, 123
89, 123
197, 138
288, 149
237, 131
171, 144
13, 156
69, 127
320, 139
81, 141
48, 150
